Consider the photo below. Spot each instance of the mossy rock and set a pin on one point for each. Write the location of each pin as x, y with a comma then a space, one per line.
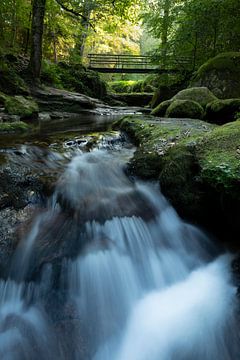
161, 109
201, 95
19, 105
223, 111
13, 127
163, 93
155, 140
185, 109
198, 168
178, 180
219, 158
221, 75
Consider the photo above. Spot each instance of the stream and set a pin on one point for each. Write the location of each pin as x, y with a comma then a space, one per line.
108, 271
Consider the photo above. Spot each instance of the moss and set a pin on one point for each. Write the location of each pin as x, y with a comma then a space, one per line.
229, 61
221, 75
201, 95
185, 109
198, 166
121, 86
161, 109
222, 111
131, 86
171, 148
178, 178
219, 158
13, 127
156, 140
18, 105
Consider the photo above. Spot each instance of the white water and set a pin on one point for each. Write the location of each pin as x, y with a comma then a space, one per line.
145, 286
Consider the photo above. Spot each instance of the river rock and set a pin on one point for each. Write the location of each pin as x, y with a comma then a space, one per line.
185, 109
221, 75
51, 99
223, 111
201, 95
161, 109
198, 168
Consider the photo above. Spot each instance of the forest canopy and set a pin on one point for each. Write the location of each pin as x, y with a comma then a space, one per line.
60, 30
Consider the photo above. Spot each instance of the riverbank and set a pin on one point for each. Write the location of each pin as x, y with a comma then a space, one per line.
197, 166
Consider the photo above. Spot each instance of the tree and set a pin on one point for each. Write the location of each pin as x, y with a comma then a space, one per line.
160, 18
206, 28
38, 13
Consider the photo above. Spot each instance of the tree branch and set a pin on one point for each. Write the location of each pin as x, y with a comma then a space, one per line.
74, 12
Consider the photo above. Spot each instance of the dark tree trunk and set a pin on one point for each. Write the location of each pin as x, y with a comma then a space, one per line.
84, 28
38, 12
28, 32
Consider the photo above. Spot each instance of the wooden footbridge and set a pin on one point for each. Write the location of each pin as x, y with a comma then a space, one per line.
141, 64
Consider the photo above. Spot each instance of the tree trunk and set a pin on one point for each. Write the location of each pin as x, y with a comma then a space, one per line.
38, 12
28, 32
54, 47
84, 28
165, 30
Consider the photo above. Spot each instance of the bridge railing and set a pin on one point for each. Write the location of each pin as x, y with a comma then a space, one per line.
120, 61
134, 63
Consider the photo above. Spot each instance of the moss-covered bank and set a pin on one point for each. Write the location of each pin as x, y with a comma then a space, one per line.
198, 166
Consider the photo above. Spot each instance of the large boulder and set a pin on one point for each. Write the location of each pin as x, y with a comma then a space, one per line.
221, 75
222, 111
201, 95
163, 93
161, 109
185, 109
198, 166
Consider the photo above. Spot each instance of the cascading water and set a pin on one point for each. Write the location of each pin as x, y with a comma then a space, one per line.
131, 281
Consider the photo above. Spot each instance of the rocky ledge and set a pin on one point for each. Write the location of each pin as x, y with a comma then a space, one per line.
197, 165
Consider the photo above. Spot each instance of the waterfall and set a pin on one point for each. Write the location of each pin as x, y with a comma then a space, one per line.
110, 272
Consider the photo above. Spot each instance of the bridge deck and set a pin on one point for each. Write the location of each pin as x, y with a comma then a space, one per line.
108, 63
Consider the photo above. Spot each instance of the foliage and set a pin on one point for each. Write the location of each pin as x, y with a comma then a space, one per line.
131, 86
10, 82
219, 157
195, 29
73, 77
